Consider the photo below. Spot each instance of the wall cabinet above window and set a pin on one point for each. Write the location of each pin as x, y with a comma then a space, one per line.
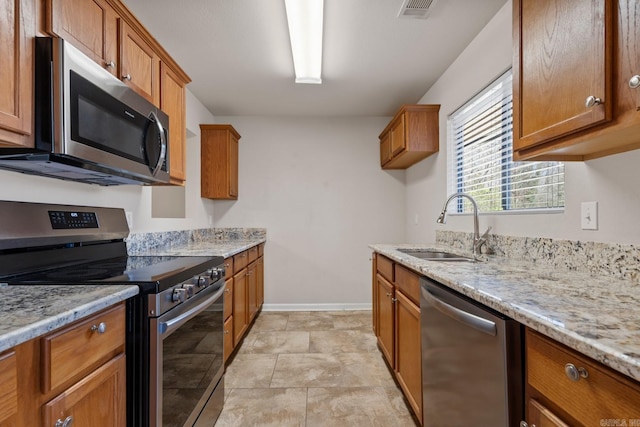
412, 135
576, 90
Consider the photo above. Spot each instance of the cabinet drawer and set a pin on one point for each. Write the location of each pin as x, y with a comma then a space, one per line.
78, 348
9, 389
385, 267
604, 394
253, 254
240, 261
228, 267
228, 298
408, 282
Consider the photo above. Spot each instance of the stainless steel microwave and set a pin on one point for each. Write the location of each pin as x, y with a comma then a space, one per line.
89, 126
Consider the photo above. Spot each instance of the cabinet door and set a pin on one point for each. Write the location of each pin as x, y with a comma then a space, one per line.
554, 75
172, 102
628, 59
385, 149
228, 338
540, 416
374, 293
90, 25
16, 72
139, 64
233, 166
397, 136
239, 306
9, 390
408, 351
386, 318
260, 275
228, 297
252, 290
98, 400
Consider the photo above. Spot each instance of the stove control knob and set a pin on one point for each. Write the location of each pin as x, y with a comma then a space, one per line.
200, 281
191, 289
179, 295
216, 273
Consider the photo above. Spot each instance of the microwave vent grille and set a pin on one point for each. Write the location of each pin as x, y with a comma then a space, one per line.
416, 9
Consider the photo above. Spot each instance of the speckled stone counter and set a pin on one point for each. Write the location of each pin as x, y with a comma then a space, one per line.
223, 242
597, 315
224, 248
27, 312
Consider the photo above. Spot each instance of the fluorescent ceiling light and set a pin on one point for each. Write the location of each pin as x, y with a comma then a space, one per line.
305, 31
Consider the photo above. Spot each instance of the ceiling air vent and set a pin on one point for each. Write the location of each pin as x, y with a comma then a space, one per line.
416, 9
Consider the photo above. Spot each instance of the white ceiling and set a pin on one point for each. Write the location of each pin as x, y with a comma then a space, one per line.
238, 55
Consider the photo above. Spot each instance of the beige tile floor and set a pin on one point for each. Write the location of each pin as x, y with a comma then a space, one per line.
311, 369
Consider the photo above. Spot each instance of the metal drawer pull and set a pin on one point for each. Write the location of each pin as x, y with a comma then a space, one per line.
634, 82
574, 373
101, 328
127, 77
592, 101
110, 64
66, 423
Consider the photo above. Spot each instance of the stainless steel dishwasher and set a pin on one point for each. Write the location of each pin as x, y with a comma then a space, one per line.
471, 361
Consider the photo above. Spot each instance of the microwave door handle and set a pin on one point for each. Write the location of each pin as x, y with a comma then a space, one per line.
163, 143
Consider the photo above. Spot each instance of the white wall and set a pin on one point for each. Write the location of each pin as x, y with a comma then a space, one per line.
317, 186
137, 199
611, 181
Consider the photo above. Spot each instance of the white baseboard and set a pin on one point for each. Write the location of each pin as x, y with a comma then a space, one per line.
317, 307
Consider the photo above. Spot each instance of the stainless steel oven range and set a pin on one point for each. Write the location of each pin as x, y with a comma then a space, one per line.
174, 326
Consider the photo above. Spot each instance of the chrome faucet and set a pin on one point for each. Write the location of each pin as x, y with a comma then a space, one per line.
478, 240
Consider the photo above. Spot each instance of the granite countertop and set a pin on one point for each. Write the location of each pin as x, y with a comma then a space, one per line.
595, 315
223, 248
27, 312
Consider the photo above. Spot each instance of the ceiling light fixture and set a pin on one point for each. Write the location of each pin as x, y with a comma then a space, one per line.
305, 31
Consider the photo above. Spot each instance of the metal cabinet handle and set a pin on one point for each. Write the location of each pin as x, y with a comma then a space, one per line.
110, 64
66, 423
101, 328
592, 101
524, 424
127, 77
575, 373
394, 299
388, 294
634, 82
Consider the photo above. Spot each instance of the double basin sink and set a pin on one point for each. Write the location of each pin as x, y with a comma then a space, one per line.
434, 255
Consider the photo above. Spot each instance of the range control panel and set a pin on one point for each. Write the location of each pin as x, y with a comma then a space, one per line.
70, 220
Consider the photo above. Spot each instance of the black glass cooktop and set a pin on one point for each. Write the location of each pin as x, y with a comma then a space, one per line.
151, 273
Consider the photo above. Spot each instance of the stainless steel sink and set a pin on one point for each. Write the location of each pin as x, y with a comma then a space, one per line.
432, 255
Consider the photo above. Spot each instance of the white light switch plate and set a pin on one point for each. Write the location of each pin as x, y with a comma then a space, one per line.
589, 215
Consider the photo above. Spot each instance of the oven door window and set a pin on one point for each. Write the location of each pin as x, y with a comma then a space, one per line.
191, 360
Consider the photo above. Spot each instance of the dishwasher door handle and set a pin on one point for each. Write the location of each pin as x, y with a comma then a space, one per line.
483, 325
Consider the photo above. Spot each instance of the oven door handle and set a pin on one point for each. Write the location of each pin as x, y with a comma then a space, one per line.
174, 323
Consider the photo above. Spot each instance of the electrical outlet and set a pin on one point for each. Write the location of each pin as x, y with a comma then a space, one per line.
589, 215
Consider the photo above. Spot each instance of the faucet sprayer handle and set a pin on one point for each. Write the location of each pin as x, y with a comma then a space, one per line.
485, 235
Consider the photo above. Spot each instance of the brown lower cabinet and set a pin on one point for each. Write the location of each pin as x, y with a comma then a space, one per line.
74, 375
566, 388
396, 322
244, 295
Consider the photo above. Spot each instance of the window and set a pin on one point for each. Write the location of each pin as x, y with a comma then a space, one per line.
480, 138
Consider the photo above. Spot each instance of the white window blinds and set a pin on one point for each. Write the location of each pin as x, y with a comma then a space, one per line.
480, 161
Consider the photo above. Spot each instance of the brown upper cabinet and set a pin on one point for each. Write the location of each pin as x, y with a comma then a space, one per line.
412, 135
17, 27
576, 88
107, 32
219, 157
139, 64
90, 25
172, 102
